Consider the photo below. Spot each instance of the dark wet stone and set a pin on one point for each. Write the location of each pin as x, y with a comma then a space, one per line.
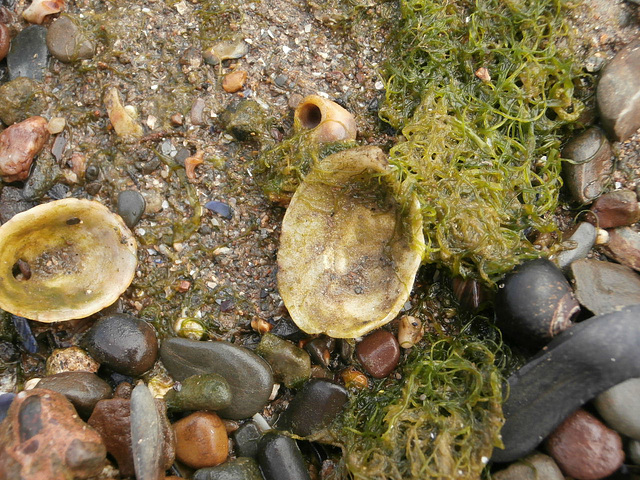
585, 448
241, 468
67, 42
379, 353
5, 403
220, 208
536, 466
616, 209
579, 244
200, 392
130, 207
44, 175
314, 407
201, 440
24, 333
280, 458
591, 164
574, 367
43, 425
534, 303
82, 389
123, 343
619, 407
319, 349
346, 349
604, 287
146, 435
29, 55
248, 375
617, 94
285, 328
291, 365
20, 99
246, 439
624, 247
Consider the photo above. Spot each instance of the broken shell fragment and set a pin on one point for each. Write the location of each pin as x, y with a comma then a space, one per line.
350, 247
41, 8
328, 121
123, 122
80, 258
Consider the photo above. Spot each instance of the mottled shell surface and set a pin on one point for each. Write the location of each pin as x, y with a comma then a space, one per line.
63, 260
349, 249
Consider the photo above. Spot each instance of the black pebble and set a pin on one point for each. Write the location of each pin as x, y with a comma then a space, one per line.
280, 459
29, 54
131, 205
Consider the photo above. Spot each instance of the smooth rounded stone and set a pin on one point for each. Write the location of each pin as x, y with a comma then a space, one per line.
534, 303
617, 94
619, 407
67, 42
82, 389
5, 403
248, 375
20, 99
590, 166
201, 440
246, 439
146, 435
616, 209
584, 448
72, 359
536, 466
28, 56
225, 50
314, 407
200, 392
130, 206
12, 202
5, 40
574, 367
123, 343
579, 245
604, 287
291, 365
624, 246
241, 468
379, 353
19, 145
634, 451
43, 438
280, 459
319, 349
112, 419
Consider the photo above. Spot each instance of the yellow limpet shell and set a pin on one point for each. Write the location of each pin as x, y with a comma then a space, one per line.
349, 249
63, 260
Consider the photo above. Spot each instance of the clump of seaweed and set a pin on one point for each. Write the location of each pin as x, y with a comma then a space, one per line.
481, 92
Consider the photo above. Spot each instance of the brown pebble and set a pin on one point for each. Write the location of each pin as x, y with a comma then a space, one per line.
616, 209
624, 247
19, 145
5, 40
379, 353
177, 119
234, 81
585, 448
201, 440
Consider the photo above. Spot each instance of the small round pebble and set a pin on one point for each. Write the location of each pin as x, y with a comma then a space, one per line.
620, 407
379, 353
82, 389
131, 206
72, 359
536, 466
67, 42
201, 440
234, 81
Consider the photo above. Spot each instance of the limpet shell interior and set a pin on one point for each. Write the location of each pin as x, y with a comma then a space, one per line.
65, 259
349, 249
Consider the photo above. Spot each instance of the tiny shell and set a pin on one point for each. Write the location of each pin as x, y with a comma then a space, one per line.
41, 8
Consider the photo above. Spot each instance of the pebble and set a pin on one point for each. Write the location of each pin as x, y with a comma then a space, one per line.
246, 439
42, 438
72, 359
146, 435
200, 392
582, 362
130, 206
319, 349
56, 125
624, 246
19, 145
584, 448
620, 406
634, 451
617, 93
5, 403
5, 40
201, 440
244, 119
112, 419
220, 208
12, 202
28, 56
20, 99
616, 209
536, 466
248, 375
605, 287
591, 165
234, 81
291, 365
225, 50
379, 353
280, 459
579, 244
67, 42
241, 468
123, 343
314, 407
82, 389
196, 114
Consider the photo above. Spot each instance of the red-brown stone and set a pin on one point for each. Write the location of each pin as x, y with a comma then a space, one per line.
19, 145
379, 353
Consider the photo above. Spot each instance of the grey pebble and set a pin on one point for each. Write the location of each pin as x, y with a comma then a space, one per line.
241, 468
67, 42
130, 206
246, 439
536, 466
580, 243
29, 54
82, 389
146, 435
634, 451
620, 407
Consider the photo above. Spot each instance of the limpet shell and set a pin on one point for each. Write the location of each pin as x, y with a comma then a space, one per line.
65, 259
349, 249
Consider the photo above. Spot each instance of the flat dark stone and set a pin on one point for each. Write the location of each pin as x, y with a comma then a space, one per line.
246, 439
82, 389
29, 54
589, 358
248, 375
131, 205
280, 458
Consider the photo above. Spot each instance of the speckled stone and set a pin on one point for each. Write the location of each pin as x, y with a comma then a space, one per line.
201, 440
379, 353
624, 246
620, 406
200, 392
241, 468
72, 359
82, 389
20, 99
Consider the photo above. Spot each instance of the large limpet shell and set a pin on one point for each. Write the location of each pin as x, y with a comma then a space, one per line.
64, 259
349, 248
